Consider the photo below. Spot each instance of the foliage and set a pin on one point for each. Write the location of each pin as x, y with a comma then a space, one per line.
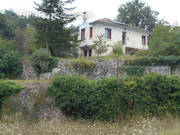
25, 40
7, 89
16, 21
74, 95
51, 31
10, 60
100, 45
155, 61
6, 30
42, 61
83, 65
142, 53
137, 13
165, 41
112, 98
117, 50
133, 70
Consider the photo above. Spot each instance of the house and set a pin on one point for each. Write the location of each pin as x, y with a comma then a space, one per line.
129, 37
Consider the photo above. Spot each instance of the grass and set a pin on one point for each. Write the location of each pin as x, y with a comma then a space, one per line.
10, 125
122, 57
23, 83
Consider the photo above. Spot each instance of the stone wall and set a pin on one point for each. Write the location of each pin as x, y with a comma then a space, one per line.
102, 69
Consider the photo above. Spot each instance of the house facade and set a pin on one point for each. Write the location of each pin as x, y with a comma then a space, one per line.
130, 38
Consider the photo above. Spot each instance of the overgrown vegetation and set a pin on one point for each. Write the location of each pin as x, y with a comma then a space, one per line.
155, 61
100, 45
107, 99
133, 70
42, 61
117, 50
10, 60
7, 89
82, 65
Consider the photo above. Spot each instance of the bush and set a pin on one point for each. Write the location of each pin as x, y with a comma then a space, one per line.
155, 61
10, 60
74, 95
7, 89
108, 99
117, 50
142, 53
133, 70
42, 61
83, 65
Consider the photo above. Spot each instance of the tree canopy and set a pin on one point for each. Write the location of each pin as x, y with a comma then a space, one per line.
165, 41
138, 13
5, 29
52, 32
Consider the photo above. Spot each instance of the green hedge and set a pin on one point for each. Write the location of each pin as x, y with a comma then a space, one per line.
108, 99
155, 61
7, 89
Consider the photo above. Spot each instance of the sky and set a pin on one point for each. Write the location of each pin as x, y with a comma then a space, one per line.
97, 9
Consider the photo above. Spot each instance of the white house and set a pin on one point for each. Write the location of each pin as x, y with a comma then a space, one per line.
129, 37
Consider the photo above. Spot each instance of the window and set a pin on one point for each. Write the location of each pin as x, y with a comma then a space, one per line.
85, 53
76, 37
123, 38
143, 40
108, 33
91, 32
88, 53
83, 34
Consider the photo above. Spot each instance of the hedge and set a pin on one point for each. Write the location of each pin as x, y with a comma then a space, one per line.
7, 89
108, 99
155, 61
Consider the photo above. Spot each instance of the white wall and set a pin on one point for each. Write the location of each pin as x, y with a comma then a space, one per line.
133, 38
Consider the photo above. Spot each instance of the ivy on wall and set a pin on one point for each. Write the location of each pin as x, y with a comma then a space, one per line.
82, 65
133, 70
155, 61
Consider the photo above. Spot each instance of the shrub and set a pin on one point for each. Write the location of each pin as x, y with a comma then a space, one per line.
142, 53
7, 89
42, 61
108, 99
155, 61
74, 95
83, 65
117, 50
10, 60
133, 70
108, 91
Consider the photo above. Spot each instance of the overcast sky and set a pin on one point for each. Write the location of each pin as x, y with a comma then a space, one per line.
169, 9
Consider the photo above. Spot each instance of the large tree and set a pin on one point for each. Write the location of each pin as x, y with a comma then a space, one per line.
165, 41
137, 13
5, 29
52, 32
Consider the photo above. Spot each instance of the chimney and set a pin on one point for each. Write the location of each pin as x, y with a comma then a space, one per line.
84, 17
146, 27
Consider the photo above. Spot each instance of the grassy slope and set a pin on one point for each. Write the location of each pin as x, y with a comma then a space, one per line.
138, 126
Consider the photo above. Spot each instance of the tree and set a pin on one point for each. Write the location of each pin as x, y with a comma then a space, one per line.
5, 30
52, 32
100, 45
16, 21
165, 41
137, 13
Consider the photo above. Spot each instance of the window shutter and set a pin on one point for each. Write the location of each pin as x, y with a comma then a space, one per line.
91, 32
109, 33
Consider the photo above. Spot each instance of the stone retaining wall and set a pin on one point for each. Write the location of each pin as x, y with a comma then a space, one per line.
102, 69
